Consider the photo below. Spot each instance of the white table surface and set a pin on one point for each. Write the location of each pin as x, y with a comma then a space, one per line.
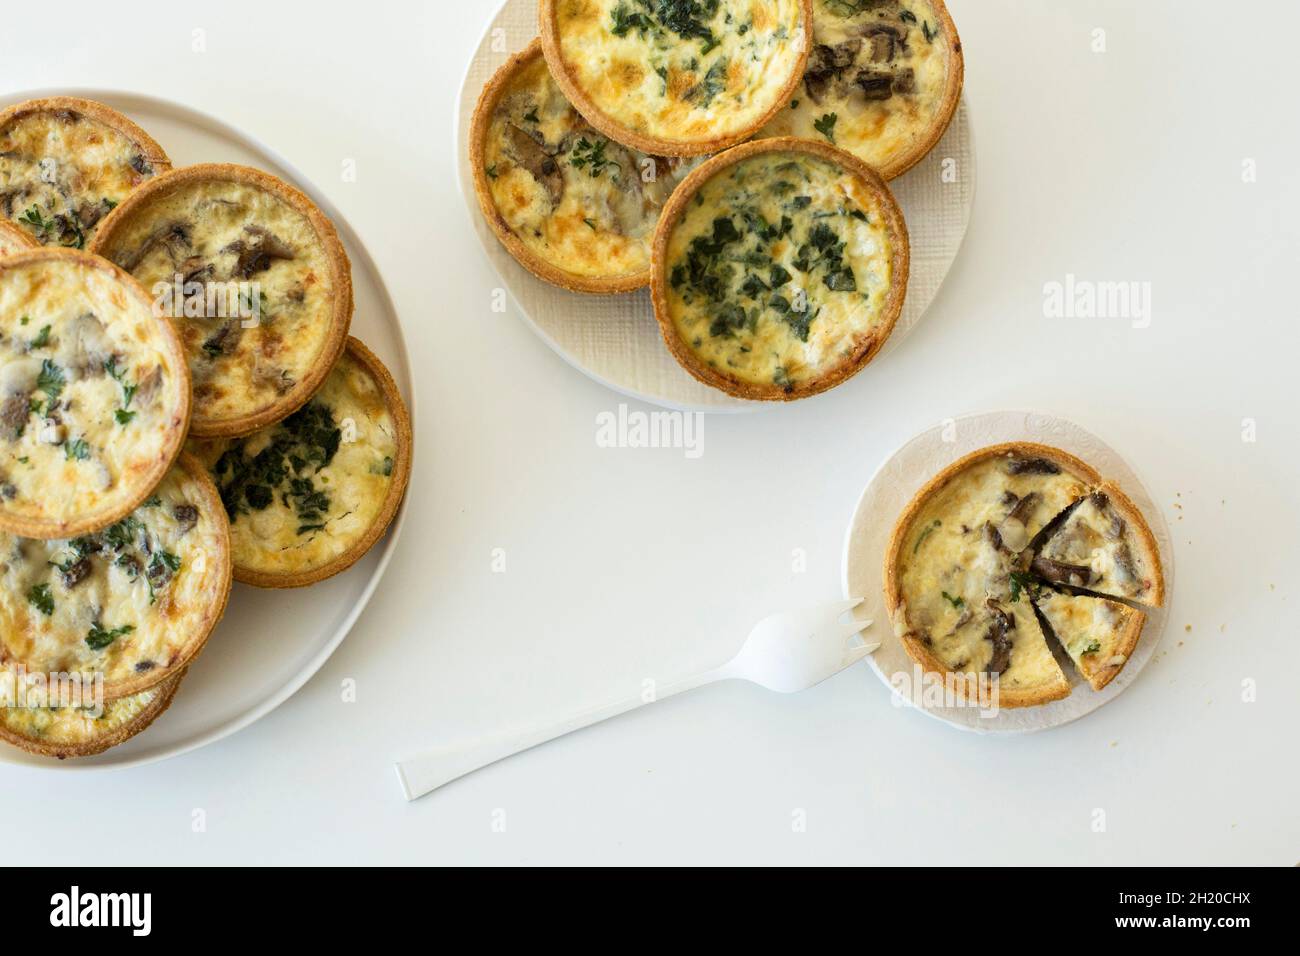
623, 564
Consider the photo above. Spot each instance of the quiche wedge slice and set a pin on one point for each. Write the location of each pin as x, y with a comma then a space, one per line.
574, 207
1099, 634
64, 732
883, 81
677, 77
65, 163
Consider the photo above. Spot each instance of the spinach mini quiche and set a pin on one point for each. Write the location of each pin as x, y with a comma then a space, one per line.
309, 496
780, 269
572, 206
94, 393
65, 163
13, 239
882, 81
969, 593
133, 602
68, 731
266, 287
676, 77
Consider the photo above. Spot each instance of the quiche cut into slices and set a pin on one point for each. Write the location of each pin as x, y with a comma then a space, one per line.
1106, 546
309, 496
780, 269
65, 163
1097, 633
964, 582
574, 207
882, 81
85, 731
94, 394
134, 602
13, 239
255, 278
677, 77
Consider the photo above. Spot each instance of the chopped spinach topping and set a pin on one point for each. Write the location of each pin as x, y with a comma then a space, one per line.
925, 534
957, 602
689, 19
123, 416
39, 597
99, 638
42, 339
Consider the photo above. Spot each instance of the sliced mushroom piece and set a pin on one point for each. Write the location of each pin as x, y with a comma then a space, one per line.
905, 81
1032, 466
540, 164
224, 340
187, 516
174, 236
999, 635
1059, 572
256, 253
875, 85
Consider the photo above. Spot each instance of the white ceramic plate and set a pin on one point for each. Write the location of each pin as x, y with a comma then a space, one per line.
615, 339
901, 477
270, 642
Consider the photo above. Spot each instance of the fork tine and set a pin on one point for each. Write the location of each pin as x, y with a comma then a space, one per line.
846, 605
855, 654
854, 627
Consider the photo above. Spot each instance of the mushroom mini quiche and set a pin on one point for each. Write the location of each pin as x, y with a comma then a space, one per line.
256, 279
134, 602
65, 163
780, 268
964, 579
308, 496
574, 207
94, 394
882, 81
85, 731
677, 77
13, 239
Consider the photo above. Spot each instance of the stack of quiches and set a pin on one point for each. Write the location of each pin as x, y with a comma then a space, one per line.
778, 267
180, 405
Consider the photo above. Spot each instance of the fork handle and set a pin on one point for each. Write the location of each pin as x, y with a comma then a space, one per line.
434, 768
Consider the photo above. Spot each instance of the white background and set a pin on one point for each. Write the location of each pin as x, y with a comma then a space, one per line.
627, 564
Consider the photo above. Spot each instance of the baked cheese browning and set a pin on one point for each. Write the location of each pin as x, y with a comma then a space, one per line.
1104, 545
94, 394
780, 270
1099, 635
574, 198
285, 299
316, 488
700, 73
133, 602
65, 164
13, 239
881, 81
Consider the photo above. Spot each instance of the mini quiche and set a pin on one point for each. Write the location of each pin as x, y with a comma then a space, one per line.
677, 77
308, 496
94, 394
13, 239
83, 732
882, 81
66, 162
780, 268
954, 580
1105, 545
254, 275
1098, 634
574, 207
134, 602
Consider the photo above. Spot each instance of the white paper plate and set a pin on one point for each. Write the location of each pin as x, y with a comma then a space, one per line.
615, 339
270, 642
901, 477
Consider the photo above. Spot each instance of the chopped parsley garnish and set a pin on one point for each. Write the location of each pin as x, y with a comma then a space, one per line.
51, 380
42, 338
1023, 583
99, 638
39, 597
826, 125
957, 602
689, 19
590, 155
925, 534
123, 416
1092, 648
77, 450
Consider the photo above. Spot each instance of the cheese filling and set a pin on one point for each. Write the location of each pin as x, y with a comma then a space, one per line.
780, 269
875, 81
70, 726
61, 172
682, 70
575, 198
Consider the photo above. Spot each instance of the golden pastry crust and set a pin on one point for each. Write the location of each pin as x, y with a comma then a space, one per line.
13, 239
573, 207
845, 265
94, 393
309, 496
135, 602
883, 81
66, 162
272, 287
670, 93
64, 732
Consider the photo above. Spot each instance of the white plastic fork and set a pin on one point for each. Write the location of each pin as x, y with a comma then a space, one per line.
784, 653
